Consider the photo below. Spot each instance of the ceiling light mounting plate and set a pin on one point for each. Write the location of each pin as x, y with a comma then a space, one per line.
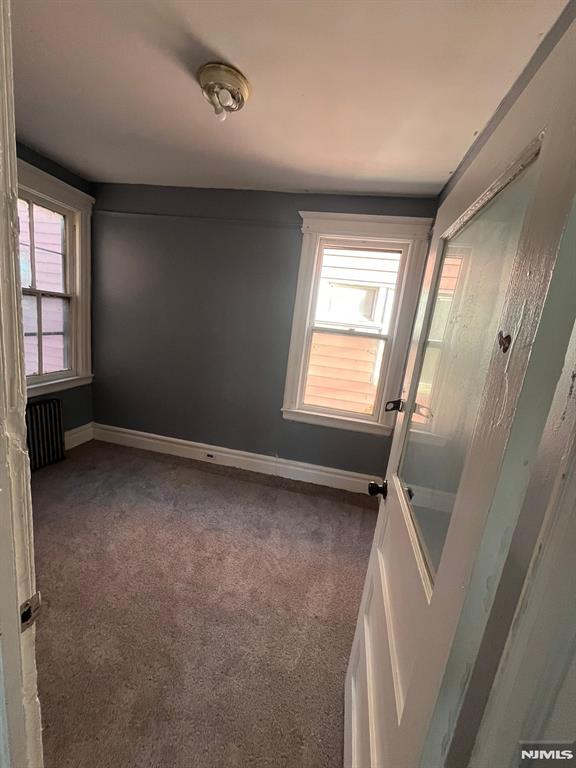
225, 87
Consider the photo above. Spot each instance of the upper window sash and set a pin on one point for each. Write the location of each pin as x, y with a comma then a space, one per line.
406, 235
69, 254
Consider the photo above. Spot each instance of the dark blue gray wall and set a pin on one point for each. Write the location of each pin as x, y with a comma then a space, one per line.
77, 402
193, 292
76, 405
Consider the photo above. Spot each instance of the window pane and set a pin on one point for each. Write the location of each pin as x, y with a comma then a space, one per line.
54, 334
30, 322
357, 287
48, 249
343, 372
344, 302
24, 244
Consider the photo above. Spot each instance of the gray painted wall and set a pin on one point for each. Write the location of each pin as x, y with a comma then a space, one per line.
193, 292
76, 405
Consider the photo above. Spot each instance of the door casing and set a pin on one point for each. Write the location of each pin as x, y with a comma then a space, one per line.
20, 726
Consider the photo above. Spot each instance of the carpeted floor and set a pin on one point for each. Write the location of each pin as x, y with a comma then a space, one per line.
193, 616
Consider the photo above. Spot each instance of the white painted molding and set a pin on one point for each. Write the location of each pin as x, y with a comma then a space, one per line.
338, 422
45, 387
32, 179
74, 437
228, 457
367, 225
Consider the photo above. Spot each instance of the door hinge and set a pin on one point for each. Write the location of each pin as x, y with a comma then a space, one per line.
29, 611
394, 405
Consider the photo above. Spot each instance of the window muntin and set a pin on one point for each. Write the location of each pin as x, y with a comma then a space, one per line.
45, 278
347, 345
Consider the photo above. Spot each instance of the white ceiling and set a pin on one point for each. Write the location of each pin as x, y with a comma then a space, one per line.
376, 96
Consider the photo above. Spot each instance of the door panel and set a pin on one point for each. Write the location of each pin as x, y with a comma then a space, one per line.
378, 655
428, 538
402, 598
471, 288
359, 699
472, 484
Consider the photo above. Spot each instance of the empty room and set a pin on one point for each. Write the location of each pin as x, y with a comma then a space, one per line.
287, 365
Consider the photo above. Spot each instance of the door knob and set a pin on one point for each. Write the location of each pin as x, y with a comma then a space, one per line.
374, 488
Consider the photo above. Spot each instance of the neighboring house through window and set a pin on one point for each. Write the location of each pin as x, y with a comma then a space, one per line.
356, 297
54, 249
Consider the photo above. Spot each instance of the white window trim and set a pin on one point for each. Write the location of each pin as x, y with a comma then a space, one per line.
409, 234
46, 190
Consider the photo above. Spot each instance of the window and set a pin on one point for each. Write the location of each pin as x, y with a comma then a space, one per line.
357, 292
54, 245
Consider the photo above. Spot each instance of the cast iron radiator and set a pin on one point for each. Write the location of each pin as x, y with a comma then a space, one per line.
44, 433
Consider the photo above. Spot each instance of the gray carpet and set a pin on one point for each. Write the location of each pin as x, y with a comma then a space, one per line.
193, 615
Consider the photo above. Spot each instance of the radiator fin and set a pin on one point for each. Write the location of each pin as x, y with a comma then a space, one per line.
44, 432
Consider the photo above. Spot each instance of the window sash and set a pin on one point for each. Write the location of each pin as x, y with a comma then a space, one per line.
348, 331
408, 236
312, 325
68, 248
370, 417
41, 335
68, 272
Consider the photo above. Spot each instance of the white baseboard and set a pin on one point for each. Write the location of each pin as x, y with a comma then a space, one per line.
74, 437
229, 457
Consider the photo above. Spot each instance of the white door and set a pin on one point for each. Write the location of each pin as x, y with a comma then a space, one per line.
20, 733
488, 347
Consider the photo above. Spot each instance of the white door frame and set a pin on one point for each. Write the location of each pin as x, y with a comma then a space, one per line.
534, 692
20, 725
549, 473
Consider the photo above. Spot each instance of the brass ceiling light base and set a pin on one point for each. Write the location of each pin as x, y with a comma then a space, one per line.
225, 87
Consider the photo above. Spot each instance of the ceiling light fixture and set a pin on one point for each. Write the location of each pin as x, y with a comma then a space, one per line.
224, 87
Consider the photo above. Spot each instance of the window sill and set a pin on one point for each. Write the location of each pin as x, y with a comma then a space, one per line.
57, 385
337, 422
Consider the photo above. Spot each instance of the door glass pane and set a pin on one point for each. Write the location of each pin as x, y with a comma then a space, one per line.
474, 276
30, 322
48, 249
54, 334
